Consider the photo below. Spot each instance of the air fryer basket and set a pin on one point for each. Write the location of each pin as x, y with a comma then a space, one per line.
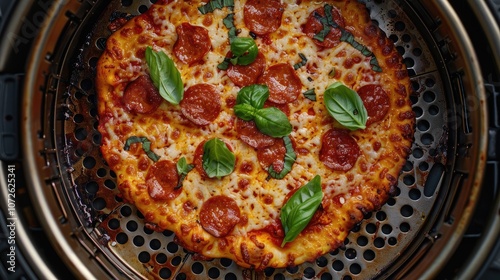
101, 236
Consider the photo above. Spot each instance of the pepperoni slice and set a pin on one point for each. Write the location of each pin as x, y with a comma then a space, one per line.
313, 26
376, 101
284, 84
339, 151
245, 75
263, 16
201, 104
161, 180
141, 96
193, 42
273, 155
219, 214
247, 131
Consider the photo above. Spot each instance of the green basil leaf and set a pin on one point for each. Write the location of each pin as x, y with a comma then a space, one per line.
212, 5
165, 76
290, 157
228, 22
244, 51
300, 208
146, 146
301, 63
183, 168
310, 94
345, 105
218, 160
273, 122
245, 111
255, 95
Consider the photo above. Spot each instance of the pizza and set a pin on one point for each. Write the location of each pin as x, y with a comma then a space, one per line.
259, 131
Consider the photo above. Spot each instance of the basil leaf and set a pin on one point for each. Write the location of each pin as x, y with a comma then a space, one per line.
255, 95
183, 168
301, 63
290, 158
244, 51
310, 94
300, 208
273, 122
345, 105
218, 160
165, 76
245, 111
228, 22
146, 146
224, 64
215, 4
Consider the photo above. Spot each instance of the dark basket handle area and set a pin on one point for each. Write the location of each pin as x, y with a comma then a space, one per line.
10, 114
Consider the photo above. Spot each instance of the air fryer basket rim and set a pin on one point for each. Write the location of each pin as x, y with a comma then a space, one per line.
49, 213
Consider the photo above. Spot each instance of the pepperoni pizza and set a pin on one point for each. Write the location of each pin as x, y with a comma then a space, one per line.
259, 131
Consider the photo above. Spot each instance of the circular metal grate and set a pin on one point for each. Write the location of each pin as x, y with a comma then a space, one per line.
371, 246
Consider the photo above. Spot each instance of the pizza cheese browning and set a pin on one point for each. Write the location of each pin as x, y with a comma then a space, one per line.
215, 167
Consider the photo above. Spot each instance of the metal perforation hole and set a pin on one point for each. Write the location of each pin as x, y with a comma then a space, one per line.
139, 215
355, 268
292, 269
92, 187
126, 3
197, 268
78, 118
326, 276
81, 134
381, 216
391, 201
155, 244
392, 13
356, 228
427, 139
408, 166
394, 38
399, 26
409, 62
406, 211
78, 95
176, 261
118, 198
161, 258
386, 229
269, 271
369, 255
110, 184
338, 265
165, 273
309, 272
279, 276
413, 99
334, 252
148, 231
138, 241
101, 43
172, 247
93, 113
99, 203
122, 238
362, 240
101, 172
395, 193
93, 62
430, 82
392, 241
96, 139
404, 227
433, 110
350, 253
142, 9
86, 84
167, 233
132, 226
347, 277
113, 224
144, 257
415, 194
417, 153
89, 162
401, 50
321, 261
423, 125
379, 242
415, 86
213, 273
126, 211
423, 166
371, 228
225, 262
409, 180
230, 276
406, 38
181, 276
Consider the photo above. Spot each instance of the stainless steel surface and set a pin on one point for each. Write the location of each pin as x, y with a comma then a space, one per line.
101, 236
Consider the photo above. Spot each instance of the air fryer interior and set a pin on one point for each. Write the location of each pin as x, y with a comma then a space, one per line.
78, 198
